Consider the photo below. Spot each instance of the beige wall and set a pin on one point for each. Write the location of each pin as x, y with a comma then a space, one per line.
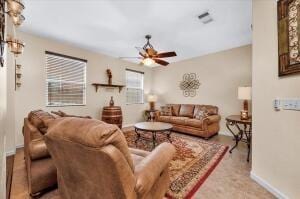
31, 95
2, 131
220, 75
276, 135
3, 110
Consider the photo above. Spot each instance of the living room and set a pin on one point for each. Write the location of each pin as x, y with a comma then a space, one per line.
177, 90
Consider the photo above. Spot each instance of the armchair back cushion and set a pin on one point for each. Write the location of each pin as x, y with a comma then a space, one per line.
99, 161
90, 133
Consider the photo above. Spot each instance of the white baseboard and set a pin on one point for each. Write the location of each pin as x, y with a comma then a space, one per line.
13, 152
267, 186
225, 133
128, 125
9, 153
20, 146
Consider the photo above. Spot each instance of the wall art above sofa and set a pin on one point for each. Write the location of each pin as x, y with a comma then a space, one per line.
189, 84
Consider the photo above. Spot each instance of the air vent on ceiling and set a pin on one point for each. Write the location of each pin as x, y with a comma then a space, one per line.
205, 18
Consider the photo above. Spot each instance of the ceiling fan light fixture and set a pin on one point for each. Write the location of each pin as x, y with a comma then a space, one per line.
148, 61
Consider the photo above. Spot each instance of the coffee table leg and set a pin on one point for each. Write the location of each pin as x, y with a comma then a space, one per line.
153, 139
138, 135
169, 136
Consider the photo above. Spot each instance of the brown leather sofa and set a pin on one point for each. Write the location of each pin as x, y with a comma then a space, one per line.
41, 172
183, 119
94, 161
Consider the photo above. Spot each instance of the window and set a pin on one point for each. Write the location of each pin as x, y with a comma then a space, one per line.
134, 87
65, 81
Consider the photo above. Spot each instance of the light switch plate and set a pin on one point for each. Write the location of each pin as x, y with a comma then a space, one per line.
287, 104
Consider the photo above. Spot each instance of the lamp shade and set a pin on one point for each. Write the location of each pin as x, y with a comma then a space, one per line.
244, 93
152, 98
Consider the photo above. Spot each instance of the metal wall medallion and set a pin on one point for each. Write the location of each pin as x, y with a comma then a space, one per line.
189, 84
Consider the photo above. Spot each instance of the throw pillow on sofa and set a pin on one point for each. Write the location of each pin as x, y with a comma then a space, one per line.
166, 110
200, 114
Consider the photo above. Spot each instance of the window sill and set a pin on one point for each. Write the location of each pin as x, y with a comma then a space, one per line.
136, 103
65, 105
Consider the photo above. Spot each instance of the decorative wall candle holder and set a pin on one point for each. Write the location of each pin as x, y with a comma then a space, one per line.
16, 46
14, 10
18, 76
244, 115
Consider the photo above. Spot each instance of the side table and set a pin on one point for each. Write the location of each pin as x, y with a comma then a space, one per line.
242, 133
151, 115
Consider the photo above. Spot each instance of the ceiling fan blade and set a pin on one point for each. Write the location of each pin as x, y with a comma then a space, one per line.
166, 54
161, 62
142, 52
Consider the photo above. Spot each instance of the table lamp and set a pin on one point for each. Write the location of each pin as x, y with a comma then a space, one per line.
152, 99
244, 93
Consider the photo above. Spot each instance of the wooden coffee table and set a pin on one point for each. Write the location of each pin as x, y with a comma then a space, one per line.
153, 127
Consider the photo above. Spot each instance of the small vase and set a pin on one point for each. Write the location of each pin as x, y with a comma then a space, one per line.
111, 102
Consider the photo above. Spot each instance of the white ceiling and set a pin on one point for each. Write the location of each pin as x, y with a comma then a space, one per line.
115, 27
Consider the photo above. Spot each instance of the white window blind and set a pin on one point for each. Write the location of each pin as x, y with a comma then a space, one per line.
134, 87
65, 81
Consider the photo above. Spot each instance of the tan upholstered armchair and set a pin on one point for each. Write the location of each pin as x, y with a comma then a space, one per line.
93, 161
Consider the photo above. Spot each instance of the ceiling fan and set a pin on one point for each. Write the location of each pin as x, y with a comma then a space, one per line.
150, 56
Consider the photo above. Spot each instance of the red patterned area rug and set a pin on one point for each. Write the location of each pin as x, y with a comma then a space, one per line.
194, 161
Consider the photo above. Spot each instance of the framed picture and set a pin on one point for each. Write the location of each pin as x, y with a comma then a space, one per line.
288, 16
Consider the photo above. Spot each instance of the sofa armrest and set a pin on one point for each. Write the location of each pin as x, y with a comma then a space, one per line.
151, 167
38, 149
212, 119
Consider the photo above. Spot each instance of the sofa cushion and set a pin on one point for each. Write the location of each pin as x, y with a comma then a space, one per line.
194, 123
166, 110
164, 118
38, 149
178, 120
210, 110
186, 110
175, 109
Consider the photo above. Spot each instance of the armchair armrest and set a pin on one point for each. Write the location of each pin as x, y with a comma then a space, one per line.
151, 167
212, 119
